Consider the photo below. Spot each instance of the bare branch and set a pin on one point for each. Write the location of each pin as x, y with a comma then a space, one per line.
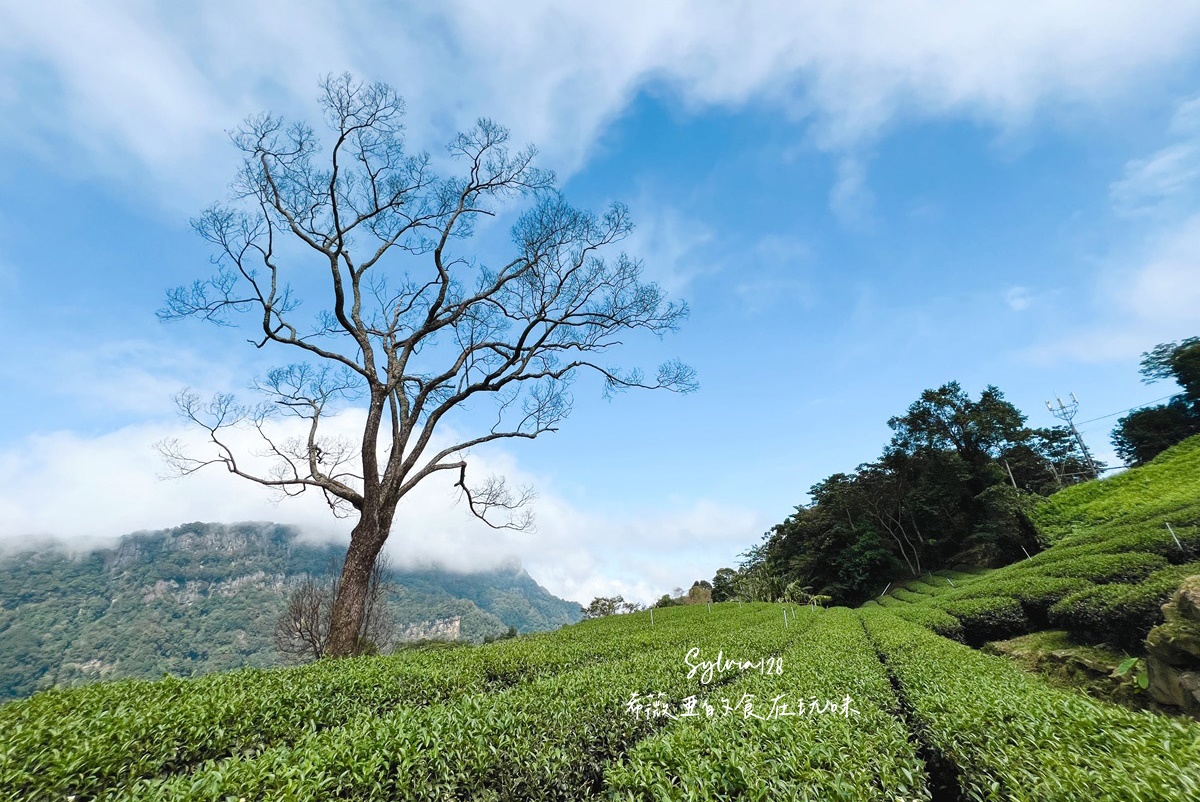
411, 325
495, 494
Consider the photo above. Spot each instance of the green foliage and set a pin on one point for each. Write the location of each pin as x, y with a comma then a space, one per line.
1144, 433
83, 740
907, 595
1168, 489
932, 618
545, 717
1110, 565
985, 619
1118, 613
947, 419
1141, 678
822, 757
1104, 568
701, 592
1037, 593
1009, 736
941, 494
1175, 361
724, 585
507, 594
608, 605
202, 597
542, 733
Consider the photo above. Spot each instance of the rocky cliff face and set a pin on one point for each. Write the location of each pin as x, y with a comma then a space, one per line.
243, 541
1173, 650
193, 590
442, 629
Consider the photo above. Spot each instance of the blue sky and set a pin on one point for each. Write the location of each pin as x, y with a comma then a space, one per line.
857, 200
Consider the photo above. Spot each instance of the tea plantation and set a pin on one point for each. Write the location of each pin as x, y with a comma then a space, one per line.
736, 701
1116, 549
818, 705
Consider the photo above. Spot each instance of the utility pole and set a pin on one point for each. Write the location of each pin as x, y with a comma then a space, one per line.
1066, 412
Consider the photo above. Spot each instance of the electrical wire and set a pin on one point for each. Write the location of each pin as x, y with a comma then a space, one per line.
1131, 409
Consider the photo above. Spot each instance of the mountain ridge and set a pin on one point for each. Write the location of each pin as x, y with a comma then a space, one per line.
204, 597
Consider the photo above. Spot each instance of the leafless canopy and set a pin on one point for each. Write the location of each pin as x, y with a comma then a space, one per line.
407, 322
302, 632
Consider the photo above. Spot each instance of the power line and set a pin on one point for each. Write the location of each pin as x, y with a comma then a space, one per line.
1131, 409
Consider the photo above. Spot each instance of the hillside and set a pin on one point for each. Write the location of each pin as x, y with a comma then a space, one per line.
753, 701
1116, 550
205, 597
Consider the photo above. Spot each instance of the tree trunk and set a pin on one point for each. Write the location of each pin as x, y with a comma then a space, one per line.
349, 607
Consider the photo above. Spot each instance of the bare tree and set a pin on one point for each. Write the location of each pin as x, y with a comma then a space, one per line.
302, 632
409, 323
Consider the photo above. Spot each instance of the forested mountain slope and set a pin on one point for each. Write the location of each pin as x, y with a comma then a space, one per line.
205, 597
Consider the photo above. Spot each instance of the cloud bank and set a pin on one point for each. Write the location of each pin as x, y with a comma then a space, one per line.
89, 490
143, 91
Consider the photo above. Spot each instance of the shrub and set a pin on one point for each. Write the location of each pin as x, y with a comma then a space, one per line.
1006, 735
931, 618
1120, 614
818, 757
987, 619
1037, 593
909, 596
1104, 568
1169, 485
1152, 537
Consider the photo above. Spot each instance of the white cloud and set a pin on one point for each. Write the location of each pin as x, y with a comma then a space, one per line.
151, 92
1167, 286
1185, 122
1168, 178
1018, 299
119, 380
1151, 292
106, 86
1155, 300
778, 273
670, 244
850, 199
89, 490
137, 376
1150, 183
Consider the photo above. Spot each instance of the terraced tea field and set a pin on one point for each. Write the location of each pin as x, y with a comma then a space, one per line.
834, 705
1115, 550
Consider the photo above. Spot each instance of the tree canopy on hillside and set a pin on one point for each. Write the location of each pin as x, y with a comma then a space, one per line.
1145, 433
951, 486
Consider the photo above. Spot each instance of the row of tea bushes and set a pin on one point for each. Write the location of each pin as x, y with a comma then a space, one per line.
542, 740
809, 756
1011, 737
81, 741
